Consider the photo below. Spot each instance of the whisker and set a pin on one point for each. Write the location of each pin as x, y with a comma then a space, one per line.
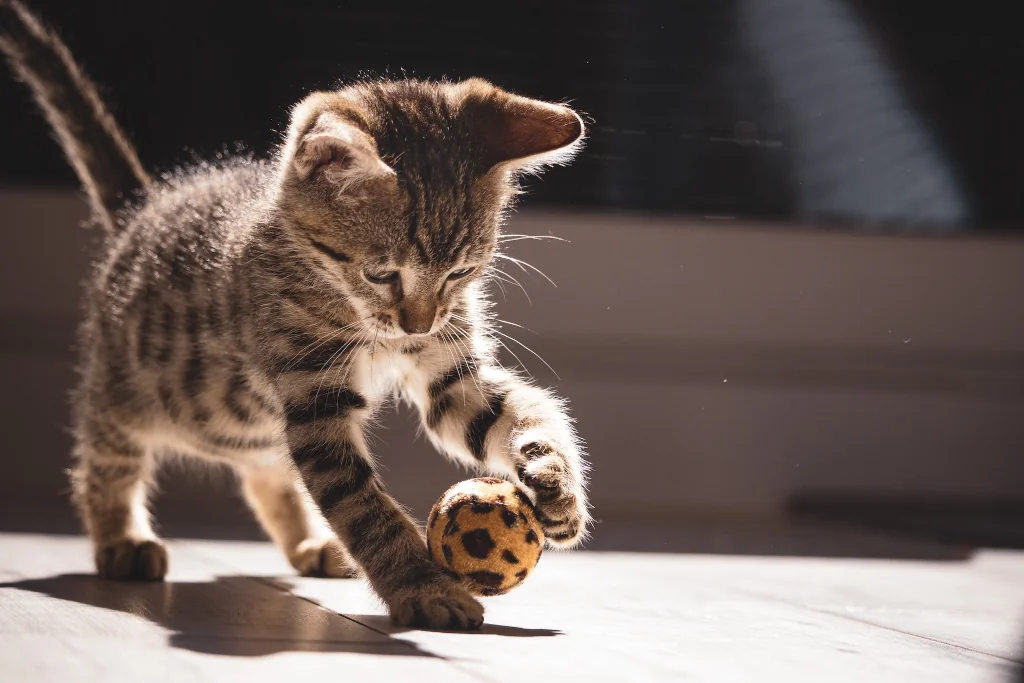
334, 359
498, 281
456, 364
373, 351
509, 322
511, 338
514, 355
512, 237
350, 364
441, 332
303, 353
466, 354
322, 374
515, 282
524, 265
490, 332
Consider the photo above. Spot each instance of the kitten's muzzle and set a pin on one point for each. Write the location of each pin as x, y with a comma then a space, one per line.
417, 318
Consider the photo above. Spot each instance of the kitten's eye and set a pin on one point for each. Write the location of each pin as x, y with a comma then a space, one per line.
459, 274
386, 278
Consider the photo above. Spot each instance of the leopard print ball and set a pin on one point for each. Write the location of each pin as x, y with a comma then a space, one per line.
486, 531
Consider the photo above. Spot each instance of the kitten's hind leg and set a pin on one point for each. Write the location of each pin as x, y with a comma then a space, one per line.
110, 481
283, 507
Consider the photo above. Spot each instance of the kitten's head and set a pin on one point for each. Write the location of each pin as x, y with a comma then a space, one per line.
394, 191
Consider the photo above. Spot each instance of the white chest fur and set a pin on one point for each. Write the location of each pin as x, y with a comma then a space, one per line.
382, 371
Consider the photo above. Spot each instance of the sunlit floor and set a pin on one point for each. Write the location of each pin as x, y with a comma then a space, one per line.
232, 611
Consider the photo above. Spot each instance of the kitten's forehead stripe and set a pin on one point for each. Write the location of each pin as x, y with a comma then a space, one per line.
427, 143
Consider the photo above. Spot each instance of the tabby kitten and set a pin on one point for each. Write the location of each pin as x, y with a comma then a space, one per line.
258, 313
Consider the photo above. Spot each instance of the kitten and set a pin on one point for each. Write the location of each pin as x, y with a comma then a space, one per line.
258, 313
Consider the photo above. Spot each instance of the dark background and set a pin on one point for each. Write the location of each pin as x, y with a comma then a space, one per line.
721, 107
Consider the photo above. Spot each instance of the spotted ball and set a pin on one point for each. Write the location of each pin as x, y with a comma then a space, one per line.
486, 531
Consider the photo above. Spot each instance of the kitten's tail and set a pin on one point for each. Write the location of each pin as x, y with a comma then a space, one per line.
106, 163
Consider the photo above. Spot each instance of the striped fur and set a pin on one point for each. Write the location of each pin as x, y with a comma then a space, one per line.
259, 313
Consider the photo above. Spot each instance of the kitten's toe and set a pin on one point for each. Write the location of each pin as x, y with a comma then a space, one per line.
560, 505
449, 607
564, 532
132, 560
325, 559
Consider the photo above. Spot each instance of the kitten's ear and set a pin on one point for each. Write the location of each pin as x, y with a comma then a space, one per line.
517, 130
339, 152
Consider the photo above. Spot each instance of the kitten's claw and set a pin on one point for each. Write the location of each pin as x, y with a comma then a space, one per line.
561, 506
131, 560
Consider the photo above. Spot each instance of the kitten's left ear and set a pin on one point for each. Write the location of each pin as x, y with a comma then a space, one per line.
326, 145
526, 134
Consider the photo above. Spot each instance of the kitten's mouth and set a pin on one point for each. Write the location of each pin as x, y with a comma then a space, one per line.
384, 327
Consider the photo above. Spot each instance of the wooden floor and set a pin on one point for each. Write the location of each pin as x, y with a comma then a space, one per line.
231, 611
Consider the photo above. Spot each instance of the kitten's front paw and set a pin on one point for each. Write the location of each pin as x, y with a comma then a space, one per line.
131, 560
441, 605
561, 504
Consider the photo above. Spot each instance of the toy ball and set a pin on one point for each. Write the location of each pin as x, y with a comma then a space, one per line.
485, 530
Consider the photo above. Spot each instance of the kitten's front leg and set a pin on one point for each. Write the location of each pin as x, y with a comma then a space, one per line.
490, 417
324, 429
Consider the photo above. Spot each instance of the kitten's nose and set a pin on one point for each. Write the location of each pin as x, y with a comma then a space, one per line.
417, 319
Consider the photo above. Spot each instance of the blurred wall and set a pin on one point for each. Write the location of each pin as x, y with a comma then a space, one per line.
714, 368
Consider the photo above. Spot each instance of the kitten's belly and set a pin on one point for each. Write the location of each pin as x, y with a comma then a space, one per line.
228, 412
263, 445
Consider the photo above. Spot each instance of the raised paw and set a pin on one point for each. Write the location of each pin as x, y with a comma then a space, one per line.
131, 560
324, 558
559, 500
443, 605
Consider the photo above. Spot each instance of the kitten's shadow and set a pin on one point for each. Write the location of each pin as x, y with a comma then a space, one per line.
230, 615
